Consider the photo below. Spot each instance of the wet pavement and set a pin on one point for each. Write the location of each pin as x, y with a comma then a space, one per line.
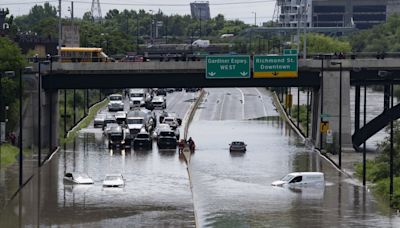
157, 191
228, 189
234, 189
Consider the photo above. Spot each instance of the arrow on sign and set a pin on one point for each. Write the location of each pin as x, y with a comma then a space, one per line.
212, 74
243, 73
275, 73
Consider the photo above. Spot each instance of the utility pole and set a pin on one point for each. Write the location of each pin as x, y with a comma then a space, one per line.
59, 28
305, 12
72, 11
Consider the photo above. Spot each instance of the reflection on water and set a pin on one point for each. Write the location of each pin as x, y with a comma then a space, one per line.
156, 193
236, 191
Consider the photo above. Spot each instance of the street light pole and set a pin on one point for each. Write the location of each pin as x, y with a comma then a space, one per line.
39, 117
340, 111
255, 18
21, 155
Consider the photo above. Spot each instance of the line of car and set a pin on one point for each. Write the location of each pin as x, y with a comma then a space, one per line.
137, 127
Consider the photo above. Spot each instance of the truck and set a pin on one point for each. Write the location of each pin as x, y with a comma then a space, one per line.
201, 43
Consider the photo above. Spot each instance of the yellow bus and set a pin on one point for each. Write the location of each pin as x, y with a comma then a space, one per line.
83, 54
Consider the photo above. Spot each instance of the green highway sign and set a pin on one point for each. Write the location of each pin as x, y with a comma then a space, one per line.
228, 66
290, 52
265, 66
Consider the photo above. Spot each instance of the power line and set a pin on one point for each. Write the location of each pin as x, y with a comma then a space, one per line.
175, 5
25, 3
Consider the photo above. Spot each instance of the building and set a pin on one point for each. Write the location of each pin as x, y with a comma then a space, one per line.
4, 26
200, 10
294, 13
362, 14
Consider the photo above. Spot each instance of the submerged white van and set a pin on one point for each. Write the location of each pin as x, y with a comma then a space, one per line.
301, 179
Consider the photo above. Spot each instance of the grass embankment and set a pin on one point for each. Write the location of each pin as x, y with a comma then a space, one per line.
303, 116
377, 174
8, 154
85, 122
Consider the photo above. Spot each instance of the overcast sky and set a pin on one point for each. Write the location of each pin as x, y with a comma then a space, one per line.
242, 11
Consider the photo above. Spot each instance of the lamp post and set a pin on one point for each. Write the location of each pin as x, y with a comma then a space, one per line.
137, 33
151, 26
39, 88
255, 18
340, 111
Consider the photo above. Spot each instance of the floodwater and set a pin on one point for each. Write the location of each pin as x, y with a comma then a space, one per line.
218, 189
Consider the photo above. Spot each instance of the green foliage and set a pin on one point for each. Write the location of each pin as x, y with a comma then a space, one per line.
120, 28
381, 38
85, 122
8, 154
41, 19
303, 115
378, 170
11, 58
382, 189
318, 43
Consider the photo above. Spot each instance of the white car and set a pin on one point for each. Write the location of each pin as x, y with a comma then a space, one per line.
301, 179
116, 103
171, 121
114, 180
78, 178
99, 120
120, 116
159, 102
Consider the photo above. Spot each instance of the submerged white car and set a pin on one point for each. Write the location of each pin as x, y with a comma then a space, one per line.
114, 180
78, 178
301, 179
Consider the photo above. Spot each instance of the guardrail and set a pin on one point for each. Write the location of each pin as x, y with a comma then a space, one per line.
192, 110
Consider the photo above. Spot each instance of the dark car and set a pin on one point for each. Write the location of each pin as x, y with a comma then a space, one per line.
142, 141
166, 140
109, 119
116, 137
237, 146
161, 92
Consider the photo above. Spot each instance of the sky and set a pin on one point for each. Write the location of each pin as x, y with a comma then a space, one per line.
244, 10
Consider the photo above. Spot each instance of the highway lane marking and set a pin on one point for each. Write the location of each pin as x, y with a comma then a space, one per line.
262, 100
242, 102
222, 107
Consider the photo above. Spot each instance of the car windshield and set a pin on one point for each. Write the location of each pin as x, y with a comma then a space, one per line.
238, 143
287, 178
101, 116
115, 98
135, 121
142, 136
167, 133
110, 178
137, 95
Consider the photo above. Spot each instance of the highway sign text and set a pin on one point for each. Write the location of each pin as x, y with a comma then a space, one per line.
237, 66
275, 66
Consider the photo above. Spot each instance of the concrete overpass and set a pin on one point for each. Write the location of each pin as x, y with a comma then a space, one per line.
321, 75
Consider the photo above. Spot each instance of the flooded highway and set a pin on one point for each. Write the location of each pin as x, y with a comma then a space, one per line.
234, 189
228, 189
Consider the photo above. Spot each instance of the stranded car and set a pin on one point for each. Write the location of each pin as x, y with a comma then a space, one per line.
142, 140
113, 180
116, 103
116, 137
120, 116
99, 120
159, 102
301, 179
237, 146
166, 139
78, 178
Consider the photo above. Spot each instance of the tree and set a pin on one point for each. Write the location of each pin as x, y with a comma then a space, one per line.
318, 43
